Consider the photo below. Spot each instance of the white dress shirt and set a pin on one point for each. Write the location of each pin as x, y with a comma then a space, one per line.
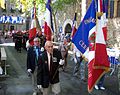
48, 54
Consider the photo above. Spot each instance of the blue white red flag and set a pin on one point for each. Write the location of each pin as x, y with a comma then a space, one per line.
90, 38
74, 26
105, 7
98, 5
98, 59
33, 12
104, 17
32, 31
81, 37
48, 27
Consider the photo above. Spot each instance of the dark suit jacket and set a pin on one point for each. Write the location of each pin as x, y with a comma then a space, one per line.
31, 59
44, 76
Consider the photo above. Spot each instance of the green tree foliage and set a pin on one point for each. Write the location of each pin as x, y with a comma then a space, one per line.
58, 5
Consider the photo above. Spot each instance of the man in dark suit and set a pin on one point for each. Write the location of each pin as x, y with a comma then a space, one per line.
48, 69
33, 54
41, 37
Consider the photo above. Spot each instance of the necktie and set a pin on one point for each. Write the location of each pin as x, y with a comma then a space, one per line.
37, 52
51, 61
50, 72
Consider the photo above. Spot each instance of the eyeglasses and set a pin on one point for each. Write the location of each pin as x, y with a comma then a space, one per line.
36, 41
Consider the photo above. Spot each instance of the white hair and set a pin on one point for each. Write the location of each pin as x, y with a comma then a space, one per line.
47, 42
36, 39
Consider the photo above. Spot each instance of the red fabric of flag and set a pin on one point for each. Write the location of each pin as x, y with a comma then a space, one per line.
74, 26
48, 22
32, 35
32, 31
47, 32
98, 61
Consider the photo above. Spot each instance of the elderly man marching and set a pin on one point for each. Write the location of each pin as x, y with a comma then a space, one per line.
33, 54
48, 69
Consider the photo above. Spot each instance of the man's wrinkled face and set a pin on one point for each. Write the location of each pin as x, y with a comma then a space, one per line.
49, 47
37, 42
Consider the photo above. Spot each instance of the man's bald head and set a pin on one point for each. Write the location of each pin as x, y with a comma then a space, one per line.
49, 46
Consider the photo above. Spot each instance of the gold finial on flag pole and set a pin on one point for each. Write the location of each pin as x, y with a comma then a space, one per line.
99, 14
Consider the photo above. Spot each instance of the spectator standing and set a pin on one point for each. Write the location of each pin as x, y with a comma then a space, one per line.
18, 41
79, 65
63, 48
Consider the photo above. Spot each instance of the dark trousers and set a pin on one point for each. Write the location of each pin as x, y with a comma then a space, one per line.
101, 81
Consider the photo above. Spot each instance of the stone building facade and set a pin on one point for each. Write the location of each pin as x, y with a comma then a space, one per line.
65, 20
10, 18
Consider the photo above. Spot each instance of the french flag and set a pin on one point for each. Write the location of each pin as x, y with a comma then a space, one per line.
104, 17
74, 26
98, 59
101, 37
48, 26
90, 40
99, 6
32, 31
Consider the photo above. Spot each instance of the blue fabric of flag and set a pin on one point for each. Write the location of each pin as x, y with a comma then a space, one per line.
48, 5
105, 7
111, 9
81, 39
49, 8
32, 13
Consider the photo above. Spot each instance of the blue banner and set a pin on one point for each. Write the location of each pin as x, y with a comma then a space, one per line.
81, 37
11, 19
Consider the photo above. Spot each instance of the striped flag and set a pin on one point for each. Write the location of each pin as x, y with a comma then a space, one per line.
104, 17
98, 63
48, 27
32, 31
99, 5
74, 26
90, 37
80, 38
2, 4
105, 7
